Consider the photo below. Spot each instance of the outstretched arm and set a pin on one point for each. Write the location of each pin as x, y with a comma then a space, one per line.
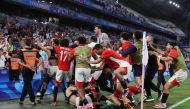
130, 50
94, 62
166, 59
43, 48
157, 50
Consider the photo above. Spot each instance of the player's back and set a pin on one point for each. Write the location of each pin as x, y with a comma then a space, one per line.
81, 54
113, 59
112, 55
62, 55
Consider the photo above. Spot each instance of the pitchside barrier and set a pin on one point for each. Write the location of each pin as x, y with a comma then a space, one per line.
12, 90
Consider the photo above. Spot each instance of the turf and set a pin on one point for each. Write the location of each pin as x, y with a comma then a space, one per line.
177, 94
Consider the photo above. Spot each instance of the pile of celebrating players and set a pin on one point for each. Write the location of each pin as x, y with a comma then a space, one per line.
93, 74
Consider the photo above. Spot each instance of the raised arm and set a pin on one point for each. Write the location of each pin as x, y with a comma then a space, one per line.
157, 50
166, 58
44, 48
130, 50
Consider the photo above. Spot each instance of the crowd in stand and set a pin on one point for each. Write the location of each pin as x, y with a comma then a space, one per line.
116, 8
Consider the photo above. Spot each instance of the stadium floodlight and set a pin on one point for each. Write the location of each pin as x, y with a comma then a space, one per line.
170, 2
50, 2
43, 1
35, 20
176, 5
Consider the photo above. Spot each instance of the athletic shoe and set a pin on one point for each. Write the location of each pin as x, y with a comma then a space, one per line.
38, 94
126, 92
144, 98
54, 104
149, 99
79, 107
132, 100
133, 103
160, 106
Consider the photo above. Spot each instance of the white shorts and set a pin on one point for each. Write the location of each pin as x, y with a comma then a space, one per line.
178, 77
52, 70
126, 76
82, 75
96, 74
61, 75
129, 67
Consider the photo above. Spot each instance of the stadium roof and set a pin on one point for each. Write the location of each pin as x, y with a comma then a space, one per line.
176, 11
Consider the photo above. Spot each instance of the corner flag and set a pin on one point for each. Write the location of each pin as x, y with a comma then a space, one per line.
144, 50
144, 63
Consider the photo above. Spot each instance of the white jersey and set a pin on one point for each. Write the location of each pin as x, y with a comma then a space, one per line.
102, 38
92, 44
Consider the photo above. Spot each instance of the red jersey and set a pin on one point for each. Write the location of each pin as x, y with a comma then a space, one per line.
113, 59
125, 46
173, 53
62, 55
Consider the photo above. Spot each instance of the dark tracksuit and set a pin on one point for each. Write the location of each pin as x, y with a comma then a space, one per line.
27, 77
151, 70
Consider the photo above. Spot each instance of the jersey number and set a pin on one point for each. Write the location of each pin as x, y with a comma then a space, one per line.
63, 56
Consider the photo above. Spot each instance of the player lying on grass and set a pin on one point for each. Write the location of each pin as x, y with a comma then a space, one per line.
180, 71
73, 96
118, 99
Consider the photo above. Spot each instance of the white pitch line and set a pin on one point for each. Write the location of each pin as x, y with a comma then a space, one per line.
175, 105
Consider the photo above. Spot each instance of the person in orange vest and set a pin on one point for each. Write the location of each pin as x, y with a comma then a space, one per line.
161, 70
14, 67
28, 59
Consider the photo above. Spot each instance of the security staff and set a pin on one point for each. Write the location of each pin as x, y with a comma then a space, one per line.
14, 67
28, 59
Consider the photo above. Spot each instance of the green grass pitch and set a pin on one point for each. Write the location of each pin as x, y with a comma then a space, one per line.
177, 94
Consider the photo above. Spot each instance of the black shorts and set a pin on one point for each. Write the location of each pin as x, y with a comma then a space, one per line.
137, 70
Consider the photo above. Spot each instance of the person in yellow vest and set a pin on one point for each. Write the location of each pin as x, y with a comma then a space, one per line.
30, 59
14, 67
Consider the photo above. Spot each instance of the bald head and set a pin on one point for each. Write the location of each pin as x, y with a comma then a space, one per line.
149, 39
